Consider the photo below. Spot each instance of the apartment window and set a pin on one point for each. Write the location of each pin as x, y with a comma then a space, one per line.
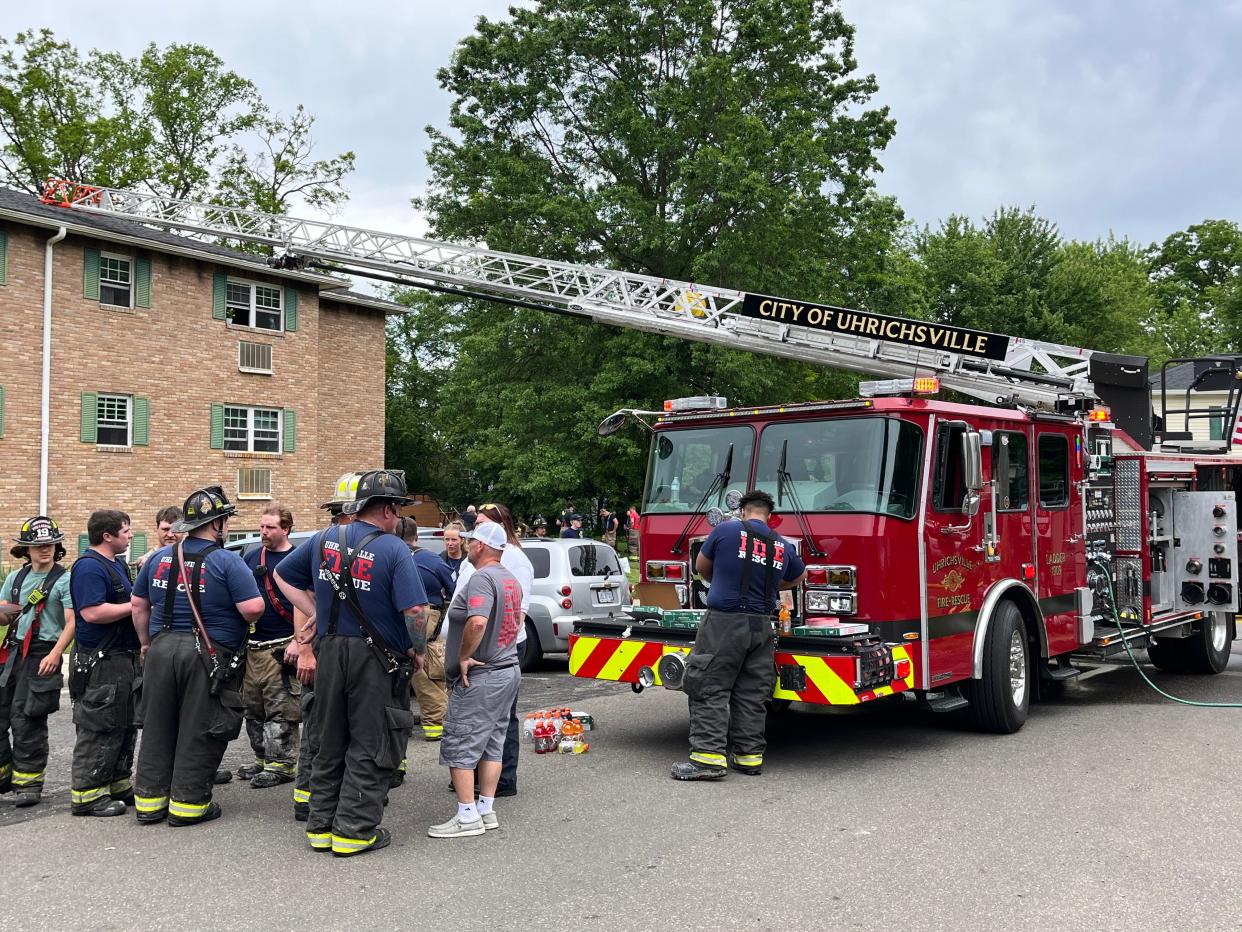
252, 430
254, 482
112, 420
240, 535
254, 357
250, 304
115, 280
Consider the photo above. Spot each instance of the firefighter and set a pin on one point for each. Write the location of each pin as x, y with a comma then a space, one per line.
193, 604
271, 695
345, 491
36, 604
731, 668
428, 683
104, 673
363, 587
541, 527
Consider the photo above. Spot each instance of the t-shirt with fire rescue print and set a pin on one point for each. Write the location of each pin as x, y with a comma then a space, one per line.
384, 576
494, 593
726, 548
226, 581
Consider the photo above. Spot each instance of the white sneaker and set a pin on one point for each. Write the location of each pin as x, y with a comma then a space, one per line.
456, 828
490, 821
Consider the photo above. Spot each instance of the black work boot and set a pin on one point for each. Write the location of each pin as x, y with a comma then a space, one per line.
213, 812
249, 771
28, 796
102, 808
690, 770
270, 778
222, 776
301, 812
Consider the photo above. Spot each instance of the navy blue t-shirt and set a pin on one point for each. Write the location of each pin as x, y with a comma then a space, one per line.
726, 548
385, 578
454, 567
91, 582
226, 581
272, 625
571, 532
437, 578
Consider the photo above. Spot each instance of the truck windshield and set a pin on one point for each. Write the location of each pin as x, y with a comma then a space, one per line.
865, 464
683, 464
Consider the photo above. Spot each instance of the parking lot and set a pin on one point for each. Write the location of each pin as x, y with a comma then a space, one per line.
1111, 809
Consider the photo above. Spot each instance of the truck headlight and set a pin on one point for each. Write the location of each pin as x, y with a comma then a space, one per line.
834, 603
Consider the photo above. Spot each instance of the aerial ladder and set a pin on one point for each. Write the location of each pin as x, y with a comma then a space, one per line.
994, 368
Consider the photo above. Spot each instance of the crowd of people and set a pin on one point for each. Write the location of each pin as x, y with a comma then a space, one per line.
315, 648
571, 523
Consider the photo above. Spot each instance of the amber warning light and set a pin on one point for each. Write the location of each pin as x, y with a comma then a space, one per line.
1098, 415
924, 385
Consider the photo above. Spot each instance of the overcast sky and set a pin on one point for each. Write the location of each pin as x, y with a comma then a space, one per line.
1121, 116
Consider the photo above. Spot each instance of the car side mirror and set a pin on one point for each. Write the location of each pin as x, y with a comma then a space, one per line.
972, 462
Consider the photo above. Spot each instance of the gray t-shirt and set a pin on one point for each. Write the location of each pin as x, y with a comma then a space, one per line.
495, 593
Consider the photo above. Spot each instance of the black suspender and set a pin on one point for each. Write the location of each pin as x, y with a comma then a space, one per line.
769, 566
347, 594
174, 579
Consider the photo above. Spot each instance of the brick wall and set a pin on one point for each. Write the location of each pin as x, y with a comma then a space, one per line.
176, 354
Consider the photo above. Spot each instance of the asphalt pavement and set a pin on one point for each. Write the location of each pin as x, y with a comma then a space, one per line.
1112, 809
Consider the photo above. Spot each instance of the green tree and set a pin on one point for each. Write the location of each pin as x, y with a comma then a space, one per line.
694, 139
1196, 275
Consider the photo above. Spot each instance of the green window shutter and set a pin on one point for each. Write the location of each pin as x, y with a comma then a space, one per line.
291, 430
84, 543
89, 411
1, 410
291, 308
90, 273
142, 283
4, 258
137, 547
217, 426
142, 412
219, 293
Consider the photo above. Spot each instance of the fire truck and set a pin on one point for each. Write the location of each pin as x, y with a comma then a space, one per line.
965, 554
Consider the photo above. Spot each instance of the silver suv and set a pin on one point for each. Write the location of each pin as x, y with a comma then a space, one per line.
575, 579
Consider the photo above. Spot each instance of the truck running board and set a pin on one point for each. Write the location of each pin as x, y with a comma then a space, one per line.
1059, 673
945, 701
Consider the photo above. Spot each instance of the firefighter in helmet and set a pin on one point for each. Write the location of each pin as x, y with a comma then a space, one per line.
541, 527
345, 491
36, 605
365, 592
731, 668
193, 604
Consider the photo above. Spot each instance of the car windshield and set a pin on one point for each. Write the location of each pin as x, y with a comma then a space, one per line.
683, 464
593, 560
862, 464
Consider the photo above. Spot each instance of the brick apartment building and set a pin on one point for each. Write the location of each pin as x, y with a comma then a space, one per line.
176, 364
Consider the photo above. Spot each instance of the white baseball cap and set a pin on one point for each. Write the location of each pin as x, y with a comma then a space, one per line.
489, 532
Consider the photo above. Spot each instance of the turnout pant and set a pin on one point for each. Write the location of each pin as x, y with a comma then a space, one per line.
26, 700
185, 729
730, 674
273, 711
309, 748
106, 717
364, 722
428, 682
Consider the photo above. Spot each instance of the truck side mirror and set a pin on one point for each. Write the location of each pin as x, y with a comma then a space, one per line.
970, 504
972, 465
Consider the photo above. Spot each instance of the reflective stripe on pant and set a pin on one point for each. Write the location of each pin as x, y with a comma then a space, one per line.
309, 747
185, 730
27, 755
272, 712
363, 722
730, 674
106, 717
428, 682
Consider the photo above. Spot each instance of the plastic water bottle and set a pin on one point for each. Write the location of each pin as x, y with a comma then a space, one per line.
675, 490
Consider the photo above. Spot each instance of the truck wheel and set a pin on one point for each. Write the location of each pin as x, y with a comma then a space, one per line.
531, 652
1207, 650
1000, 700
1168, 654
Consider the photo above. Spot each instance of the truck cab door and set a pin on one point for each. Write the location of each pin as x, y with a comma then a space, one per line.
1060, 557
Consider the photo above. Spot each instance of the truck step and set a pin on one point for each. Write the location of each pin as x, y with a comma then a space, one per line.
945, 702
1059, 673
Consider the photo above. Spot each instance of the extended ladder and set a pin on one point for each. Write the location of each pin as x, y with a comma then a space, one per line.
1033, 373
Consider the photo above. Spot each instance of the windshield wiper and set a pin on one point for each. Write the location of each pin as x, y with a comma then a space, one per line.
719, 481
782, 479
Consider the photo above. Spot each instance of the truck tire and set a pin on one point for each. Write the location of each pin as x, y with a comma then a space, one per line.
1169, 654
1207, 649
530, 652
1000, 700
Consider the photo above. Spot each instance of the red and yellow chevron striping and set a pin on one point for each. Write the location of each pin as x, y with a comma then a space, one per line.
828, 679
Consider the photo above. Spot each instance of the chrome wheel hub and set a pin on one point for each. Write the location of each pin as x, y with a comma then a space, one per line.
1218, 629
1017, 667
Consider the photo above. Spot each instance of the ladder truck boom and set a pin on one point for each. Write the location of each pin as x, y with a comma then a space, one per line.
991, 367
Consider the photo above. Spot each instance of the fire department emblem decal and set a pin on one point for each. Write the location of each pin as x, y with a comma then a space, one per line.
953, 580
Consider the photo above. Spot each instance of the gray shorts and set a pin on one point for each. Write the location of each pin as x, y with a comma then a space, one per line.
478, 717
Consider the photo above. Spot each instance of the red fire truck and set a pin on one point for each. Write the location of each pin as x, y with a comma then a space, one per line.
965, 554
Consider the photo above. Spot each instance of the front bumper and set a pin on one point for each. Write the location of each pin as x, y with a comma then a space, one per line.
807, 671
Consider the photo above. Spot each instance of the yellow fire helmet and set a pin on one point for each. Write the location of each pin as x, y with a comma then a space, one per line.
346, 491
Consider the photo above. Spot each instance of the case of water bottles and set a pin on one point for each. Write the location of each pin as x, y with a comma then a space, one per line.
560, 731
